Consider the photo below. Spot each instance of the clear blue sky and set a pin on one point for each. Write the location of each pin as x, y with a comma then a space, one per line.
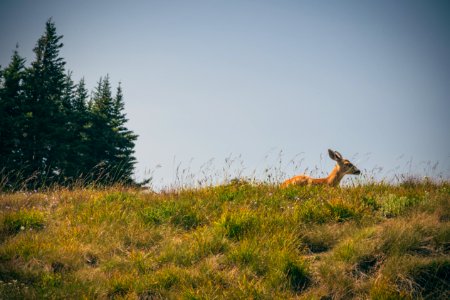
213, 79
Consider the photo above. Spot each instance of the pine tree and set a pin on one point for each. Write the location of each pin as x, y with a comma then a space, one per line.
114, 144
124, 140
50, 132
81, 97
11, 117
82, 123
45, 87
100, 133
66, 162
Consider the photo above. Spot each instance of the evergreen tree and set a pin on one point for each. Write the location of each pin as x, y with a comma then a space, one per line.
82, 122
81, 97
124, 140
100, 134
50, 133
11, 117
45, 87
114, 143
66, 163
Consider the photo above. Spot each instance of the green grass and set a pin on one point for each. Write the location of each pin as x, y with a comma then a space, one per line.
23, 220
236, 241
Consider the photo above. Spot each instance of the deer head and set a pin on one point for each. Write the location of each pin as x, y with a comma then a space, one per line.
345, 166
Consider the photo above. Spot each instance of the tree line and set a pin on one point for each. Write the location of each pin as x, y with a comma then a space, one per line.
53, 131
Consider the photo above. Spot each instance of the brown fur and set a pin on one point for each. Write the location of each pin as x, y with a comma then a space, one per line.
342, 168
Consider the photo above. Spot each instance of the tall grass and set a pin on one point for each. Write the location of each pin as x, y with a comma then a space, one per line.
238, 240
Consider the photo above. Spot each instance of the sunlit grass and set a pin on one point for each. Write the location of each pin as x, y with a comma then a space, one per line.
235, 241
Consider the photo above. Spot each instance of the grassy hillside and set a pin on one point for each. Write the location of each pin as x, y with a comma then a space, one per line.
239, 241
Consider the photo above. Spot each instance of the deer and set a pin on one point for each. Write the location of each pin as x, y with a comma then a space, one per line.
343, 167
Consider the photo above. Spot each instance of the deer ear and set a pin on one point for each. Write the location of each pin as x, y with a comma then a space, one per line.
334, 155
338, 155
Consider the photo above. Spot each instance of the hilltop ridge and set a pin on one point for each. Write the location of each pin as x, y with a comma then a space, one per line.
236, 241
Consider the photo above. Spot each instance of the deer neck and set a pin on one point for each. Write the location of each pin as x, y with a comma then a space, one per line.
335, 176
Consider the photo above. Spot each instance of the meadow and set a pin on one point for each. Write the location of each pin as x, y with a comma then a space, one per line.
241, 240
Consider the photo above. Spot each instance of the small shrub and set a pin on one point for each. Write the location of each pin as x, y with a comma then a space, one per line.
340, 211
370, 203
23, 220
394, 205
